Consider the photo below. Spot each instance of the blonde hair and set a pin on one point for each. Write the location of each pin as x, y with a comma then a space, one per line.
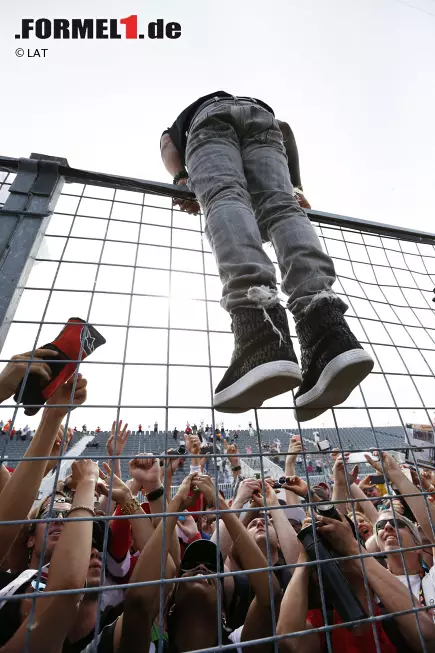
358, 513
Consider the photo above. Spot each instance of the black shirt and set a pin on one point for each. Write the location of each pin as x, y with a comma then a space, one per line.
178, 131
105, 639
10, 614
243, 595
178, 134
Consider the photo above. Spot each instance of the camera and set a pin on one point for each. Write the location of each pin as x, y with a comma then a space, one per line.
338, 590
181, 451
327, 510
281, 481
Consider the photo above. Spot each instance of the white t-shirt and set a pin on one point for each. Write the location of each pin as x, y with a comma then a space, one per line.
414, 581
236, 637
428, 584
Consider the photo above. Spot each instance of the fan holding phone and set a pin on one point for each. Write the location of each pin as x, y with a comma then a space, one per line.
53, 365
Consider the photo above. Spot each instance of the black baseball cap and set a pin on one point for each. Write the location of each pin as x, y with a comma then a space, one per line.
201, 552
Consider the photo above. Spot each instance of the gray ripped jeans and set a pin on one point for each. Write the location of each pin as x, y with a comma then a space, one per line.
238, 171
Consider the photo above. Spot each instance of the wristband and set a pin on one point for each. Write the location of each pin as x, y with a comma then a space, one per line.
130, 507
182, 174
90, 510
236, 469
195, 468
156, 494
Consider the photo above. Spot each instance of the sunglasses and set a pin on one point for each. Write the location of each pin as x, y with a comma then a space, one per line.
45, 512
53, 513
399, 523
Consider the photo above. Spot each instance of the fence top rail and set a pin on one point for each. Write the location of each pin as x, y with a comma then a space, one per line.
76, 175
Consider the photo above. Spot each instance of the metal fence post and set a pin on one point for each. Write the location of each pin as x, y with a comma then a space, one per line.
23, 222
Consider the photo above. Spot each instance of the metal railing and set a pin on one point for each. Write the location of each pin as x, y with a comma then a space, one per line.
56, 216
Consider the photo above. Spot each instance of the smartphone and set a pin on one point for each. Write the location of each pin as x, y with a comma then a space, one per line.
378, 479
181, 518
355, 458
296, 437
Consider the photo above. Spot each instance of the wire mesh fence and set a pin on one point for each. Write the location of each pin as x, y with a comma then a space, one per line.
143, 276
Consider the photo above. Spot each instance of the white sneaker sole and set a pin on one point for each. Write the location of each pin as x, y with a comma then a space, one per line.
339, 378
261, 383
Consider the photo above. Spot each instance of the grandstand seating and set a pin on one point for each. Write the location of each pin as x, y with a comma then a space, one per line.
154, 442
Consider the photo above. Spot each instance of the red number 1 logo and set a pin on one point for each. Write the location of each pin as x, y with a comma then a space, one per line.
130, 26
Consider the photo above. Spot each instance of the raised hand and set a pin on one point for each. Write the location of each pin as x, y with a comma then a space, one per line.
246, 489
205, 485
353, 476
426, 479
271, 496
188, 526
63, 396
338, 469
12, 375
174, 463
120, 491
302, 200
193, 445
295, 448
391, 465
146, 471
57, 443
190, 206
297, 485
232, 452
121, 439
83, 469
338, 533
187, 491
366, 483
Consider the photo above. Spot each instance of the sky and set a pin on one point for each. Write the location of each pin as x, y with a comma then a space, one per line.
352, 78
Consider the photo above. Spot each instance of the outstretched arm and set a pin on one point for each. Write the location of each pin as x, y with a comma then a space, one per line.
142, 603
405, 486
393, 594
366, 506
293, 613
340, 491
258, 623
21, 490
288, 540
13, 373
244, 494
4, 477
54, 616
295, 448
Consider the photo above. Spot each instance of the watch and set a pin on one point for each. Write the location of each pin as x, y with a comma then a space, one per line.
182, 174
155, 494
130, 507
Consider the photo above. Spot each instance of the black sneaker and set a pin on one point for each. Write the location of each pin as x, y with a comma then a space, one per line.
333, 362
263, 363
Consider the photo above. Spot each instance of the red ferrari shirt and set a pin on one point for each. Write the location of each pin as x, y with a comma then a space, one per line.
346, 641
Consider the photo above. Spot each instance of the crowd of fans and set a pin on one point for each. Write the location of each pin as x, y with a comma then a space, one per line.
7, 429
112, 564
